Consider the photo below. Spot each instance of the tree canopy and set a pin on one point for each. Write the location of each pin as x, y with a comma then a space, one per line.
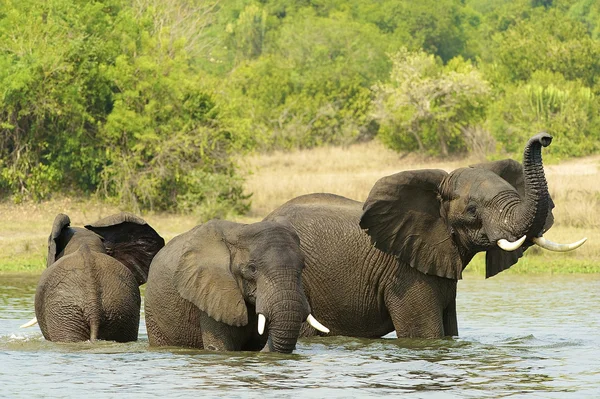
150, 103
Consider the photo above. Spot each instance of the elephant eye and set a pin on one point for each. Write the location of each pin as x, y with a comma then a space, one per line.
471, 210
252, 268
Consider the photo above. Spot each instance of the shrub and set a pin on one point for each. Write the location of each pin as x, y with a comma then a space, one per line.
427, 106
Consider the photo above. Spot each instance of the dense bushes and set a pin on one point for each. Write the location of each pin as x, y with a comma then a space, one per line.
149, 103
103, 97
427, 106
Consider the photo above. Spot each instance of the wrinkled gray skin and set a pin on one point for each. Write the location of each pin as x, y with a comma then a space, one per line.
423, 227
207, 286
90, 288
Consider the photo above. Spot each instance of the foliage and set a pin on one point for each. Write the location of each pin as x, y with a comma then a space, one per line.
588, 12
118, 109
548, 41
148, 103
567, 110
427, 106
311, 86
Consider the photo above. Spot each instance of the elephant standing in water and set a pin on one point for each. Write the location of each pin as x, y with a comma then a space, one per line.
220, 284
423, 226
90, 288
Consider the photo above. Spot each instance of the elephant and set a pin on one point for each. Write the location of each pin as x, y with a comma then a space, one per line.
393, 262
218, 285
90, 288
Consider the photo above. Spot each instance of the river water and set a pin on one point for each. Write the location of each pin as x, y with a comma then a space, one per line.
520, 336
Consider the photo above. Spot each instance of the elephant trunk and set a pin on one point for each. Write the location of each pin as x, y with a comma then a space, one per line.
532, 212
285, 308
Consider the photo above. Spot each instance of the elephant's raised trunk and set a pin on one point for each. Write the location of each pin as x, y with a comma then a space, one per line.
533, 211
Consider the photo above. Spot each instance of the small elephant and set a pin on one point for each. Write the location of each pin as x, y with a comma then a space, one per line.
217, 286
90, 288
423, 228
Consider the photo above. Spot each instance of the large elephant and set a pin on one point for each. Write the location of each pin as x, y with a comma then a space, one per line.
218, 285
90, 288
423, 226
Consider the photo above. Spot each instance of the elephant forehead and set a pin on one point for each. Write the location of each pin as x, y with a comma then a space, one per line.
479, 183
268, 232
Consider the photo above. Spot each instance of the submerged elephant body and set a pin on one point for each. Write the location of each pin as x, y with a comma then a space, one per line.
354, 288
422, 229
210, 287
90, 289
174, 321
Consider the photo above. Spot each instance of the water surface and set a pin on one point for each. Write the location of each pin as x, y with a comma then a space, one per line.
520, 336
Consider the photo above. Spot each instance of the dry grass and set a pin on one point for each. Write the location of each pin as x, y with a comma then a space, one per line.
349, 171
24, 228
278, 177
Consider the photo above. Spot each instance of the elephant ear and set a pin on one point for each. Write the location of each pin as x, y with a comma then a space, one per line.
203, 276
497, 260
130, 240
403, 216
59, 237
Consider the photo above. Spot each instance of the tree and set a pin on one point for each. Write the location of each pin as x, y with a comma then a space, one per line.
426, 106
548, 102
549, 40
103, 97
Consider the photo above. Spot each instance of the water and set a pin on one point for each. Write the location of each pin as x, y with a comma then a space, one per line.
521, 336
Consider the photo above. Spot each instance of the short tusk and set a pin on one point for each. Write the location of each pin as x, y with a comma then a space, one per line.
261, 323
552, 246
30, 323
511, 246
315, 323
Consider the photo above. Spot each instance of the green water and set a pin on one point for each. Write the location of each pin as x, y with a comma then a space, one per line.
520, 336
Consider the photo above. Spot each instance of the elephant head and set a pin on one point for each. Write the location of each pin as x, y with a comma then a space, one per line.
124, 236
436, 222
228, 268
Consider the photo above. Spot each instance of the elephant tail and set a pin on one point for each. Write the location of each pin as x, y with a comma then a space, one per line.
93, 300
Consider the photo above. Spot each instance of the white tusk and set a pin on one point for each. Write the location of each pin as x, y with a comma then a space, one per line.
552, 246
315, 323
511, 246
30, 323
261, 323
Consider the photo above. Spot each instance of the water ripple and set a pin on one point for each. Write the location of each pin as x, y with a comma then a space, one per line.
515, 347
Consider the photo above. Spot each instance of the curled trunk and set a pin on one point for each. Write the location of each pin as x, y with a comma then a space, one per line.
533, 210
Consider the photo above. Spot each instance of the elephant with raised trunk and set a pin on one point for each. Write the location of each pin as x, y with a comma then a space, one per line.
228, 286
90, 288
422, 229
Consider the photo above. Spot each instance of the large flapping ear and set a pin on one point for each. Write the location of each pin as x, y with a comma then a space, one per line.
203, 276
59, 237
130, 240
497, 260
403, 216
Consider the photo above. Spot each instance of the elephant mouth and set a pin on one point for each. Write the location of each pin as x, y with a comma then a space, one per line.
311, 320
282, 335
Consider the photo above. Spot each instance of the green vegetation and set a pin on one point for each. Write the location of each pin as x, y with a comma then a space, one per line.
539, 264
149, 104
35, 263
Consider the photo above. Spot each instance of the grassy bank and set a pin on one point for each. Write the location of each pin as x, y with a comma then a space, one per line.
351, 172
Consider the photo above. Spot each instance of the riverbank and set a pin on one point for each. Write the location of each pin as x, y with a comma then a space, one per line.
277, 177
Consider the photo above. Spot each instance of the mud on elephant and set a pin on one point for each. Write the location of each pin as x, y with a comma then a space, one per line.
228, 286
423, 227
90, 288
